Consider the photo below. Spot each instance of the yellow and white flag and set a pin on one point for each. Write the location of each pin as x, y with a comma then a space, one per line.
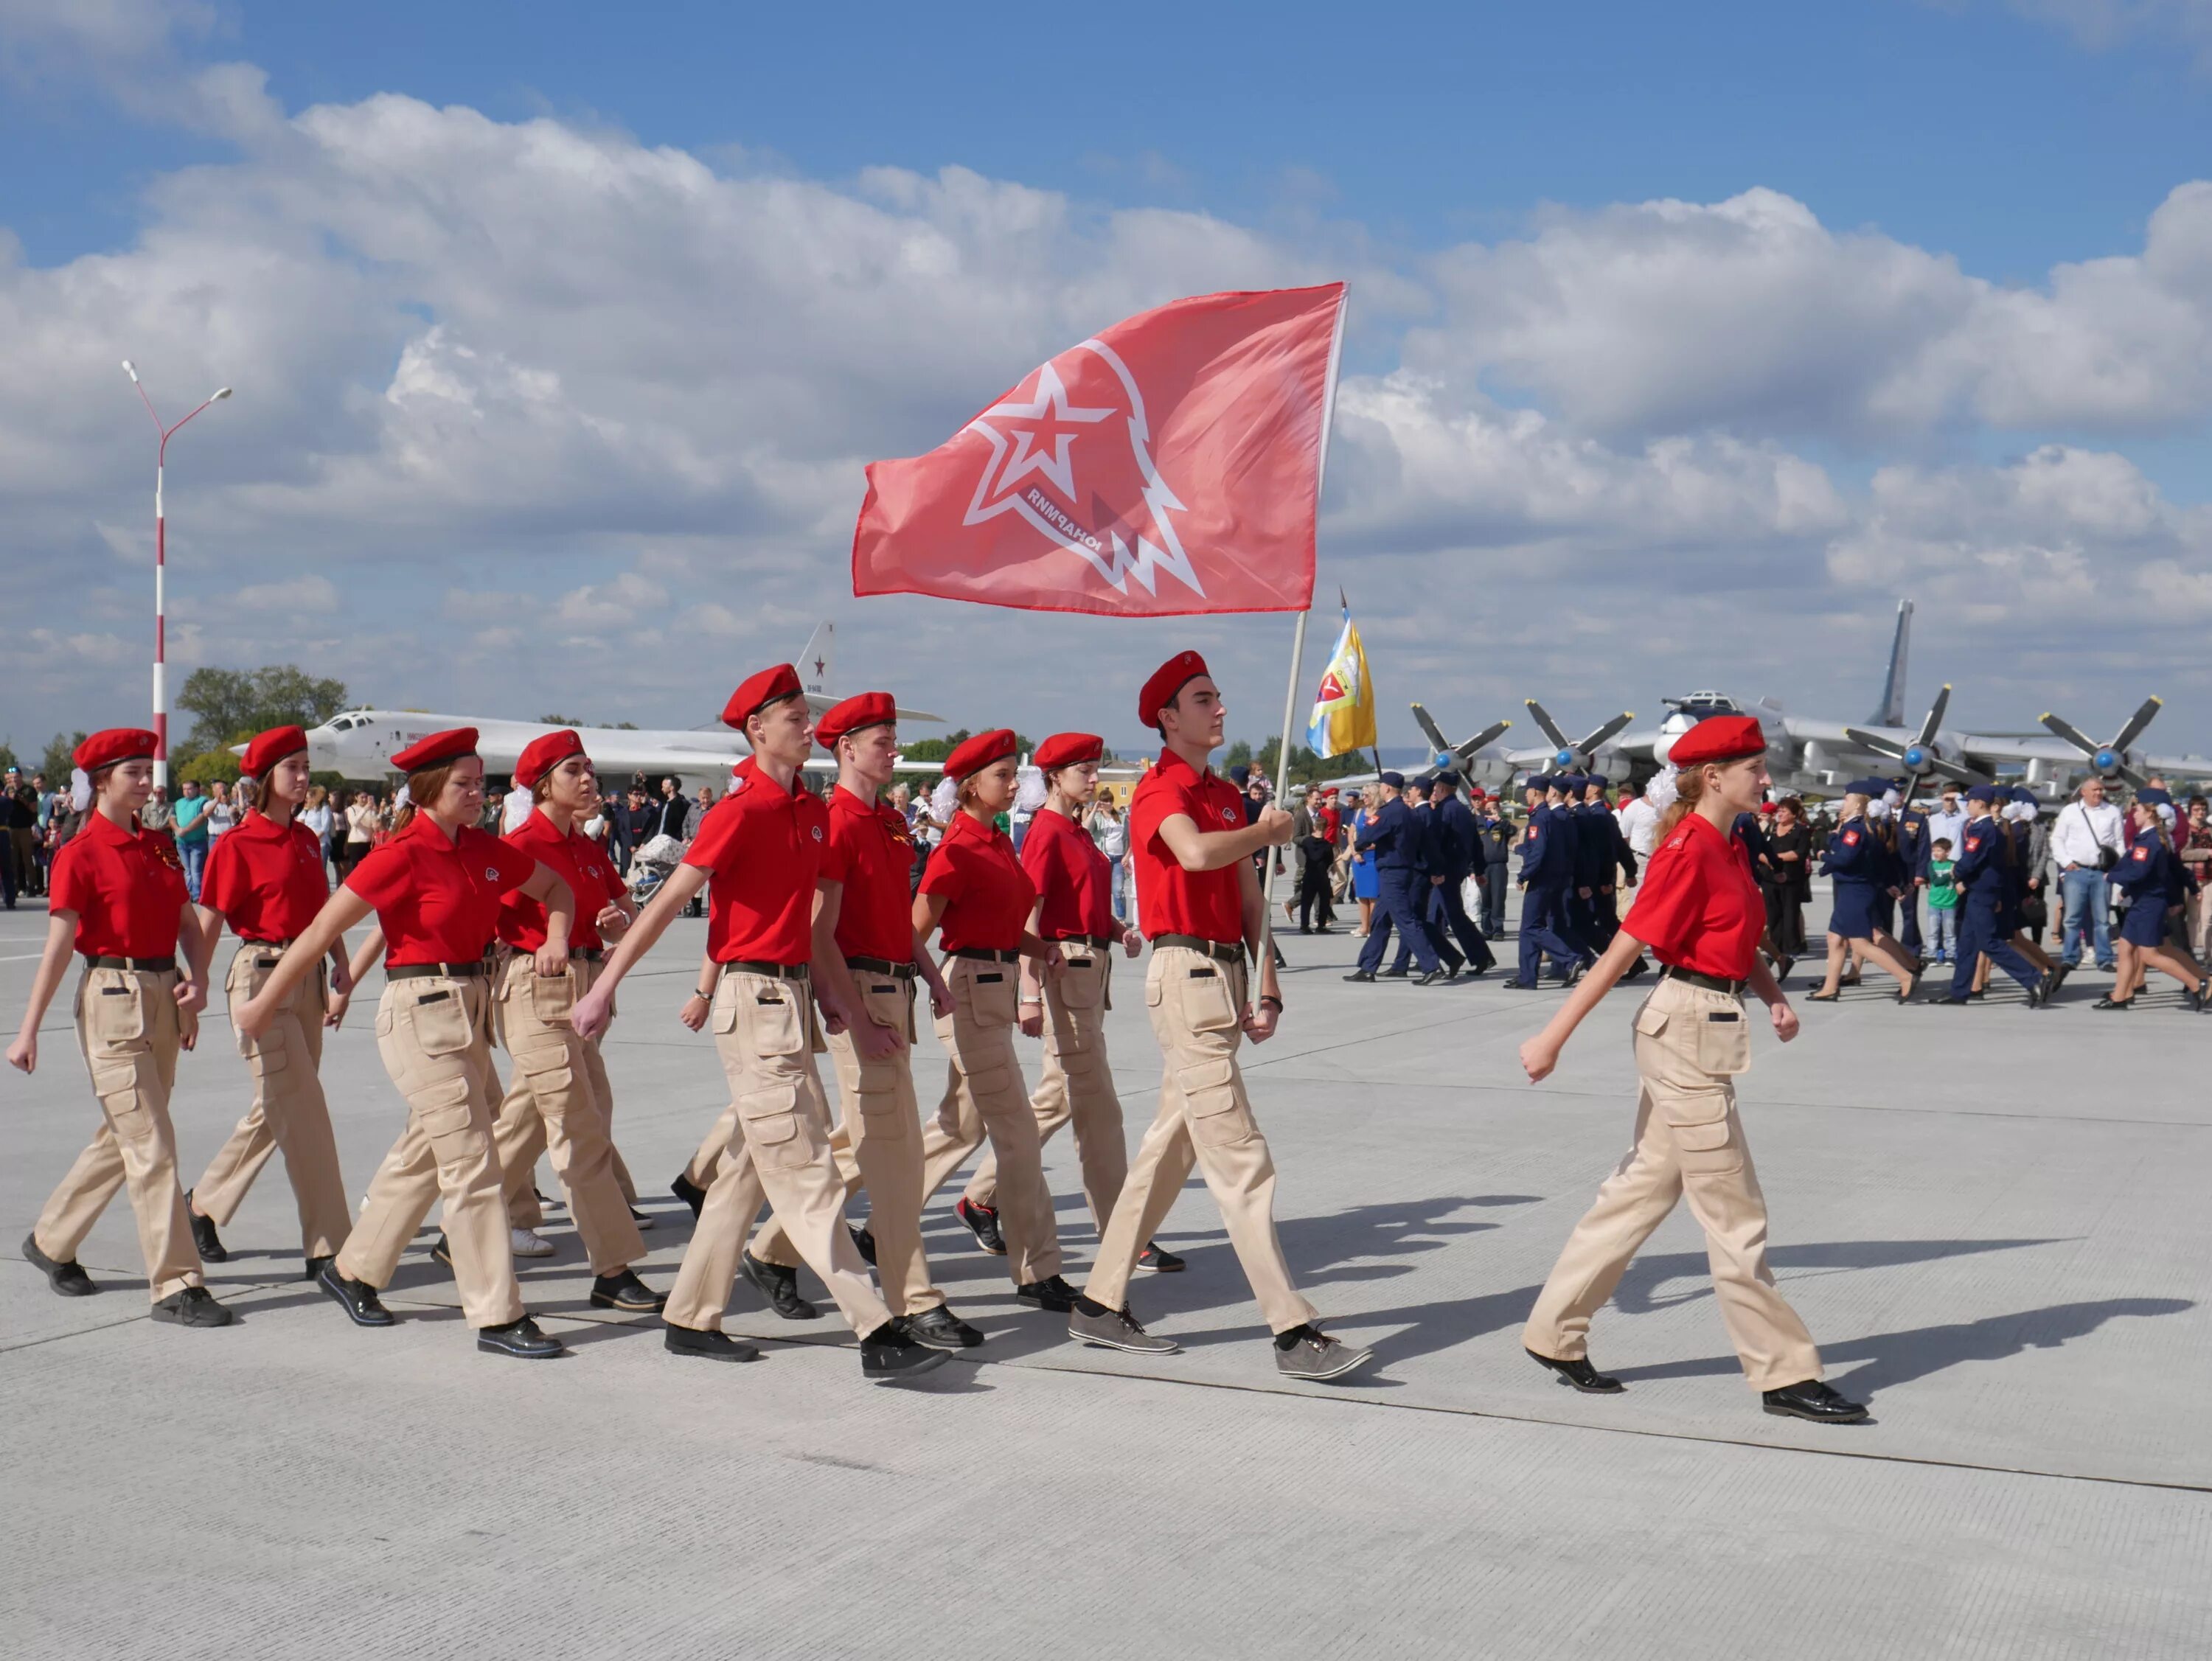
1343, 711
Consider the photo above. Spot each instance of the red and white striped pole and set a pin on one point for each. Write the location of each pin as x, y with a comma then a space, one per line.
161, 577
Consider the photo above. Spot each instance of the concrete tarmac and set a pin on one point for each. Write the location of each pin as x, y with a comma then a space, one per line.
1991, 1219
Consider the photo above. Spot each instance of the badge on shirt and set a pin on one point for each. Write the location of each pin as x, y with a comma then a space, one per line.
491, 873
2142, 854
1230, 815
1851, 838
818, 832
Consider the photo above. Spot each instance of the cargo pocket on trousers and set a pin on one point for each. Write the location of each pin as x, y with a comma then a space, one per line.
116, 1011
1650, 1021
1724, 1042
881, 1119
992, 995
1704, 1135
268, 1056
440, 1022
115, 1082
1206, 998
1218, 1116
442, 1111
771, 1126
1083, 983
553, 997
769, 1020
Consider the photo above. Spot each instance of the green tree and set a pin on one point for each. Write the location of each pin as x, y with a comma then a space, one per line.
573, 721
229, 706
56, 763
209, 766
8, 758
1308, 768
935, 749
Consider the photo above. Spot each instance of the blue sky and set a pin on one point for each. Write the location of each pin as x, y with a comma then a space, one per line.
1591, 461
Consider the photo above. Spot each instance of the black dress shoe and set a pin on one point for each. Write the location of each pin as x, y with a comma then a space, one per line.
1051, 1293
358, 1298
1822, 997
68, 1279
1446, 976
779, 1285
1160, 1260
315, 1267
622, 1290
1639, 968
1581, 1374
688, 1191
2108, 1002
890, 1352
1362, 975
708, 1346
1574, 975
193, 1307
1813, 1400
1395, 975
205, 1240
1518, 984
982, 1221
940, 1329
642, 1219
520, 1339
864, 1242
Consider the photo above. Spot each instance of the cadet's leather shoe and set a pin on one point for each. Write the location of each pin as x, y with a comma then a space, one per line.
1581, 1374
1447, 976
1518, 985
622, 1290
940, 1329
1160, 1261
358, 1298
205, 1240
688, 1191
1395, 975
642, 1219
1574, 975
864, 1242
68, 1279
1114, 1329
1051, 1293
1639, 968
1362, 974
1307, 1352
779, 1285
315, 1267
888, 1353
193, 1307
522, 1242
982, 1221
2108, 1002
441, 1249
1813, 1400
520, 1339
708, 1346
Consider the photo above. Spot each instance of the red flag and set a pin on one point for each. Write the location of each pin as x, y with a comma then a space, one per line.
1169, 464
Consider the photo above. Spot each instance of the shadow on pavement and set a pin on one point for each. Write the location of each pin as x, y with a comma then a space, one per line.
1640, 1292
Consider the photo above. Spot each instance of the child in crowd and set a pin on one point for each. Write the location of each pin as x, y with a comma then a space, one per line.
1942, 902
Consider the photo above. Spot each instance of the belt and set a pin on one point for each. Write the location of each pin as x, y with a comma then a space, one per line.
774, 971
591, 954
1220, 951
270, 945
985, 954
905, 971
1099, 940
1711, 983
440, 971
146, 965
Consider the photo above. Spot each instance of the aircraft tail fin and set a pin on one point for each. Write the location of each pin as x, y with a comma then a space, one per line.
817, 662
1891, 712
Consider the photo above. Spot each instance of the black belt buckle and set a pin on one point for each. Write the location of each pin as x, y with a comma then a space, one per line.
773, 971
882, 966
1220, 951
590, 955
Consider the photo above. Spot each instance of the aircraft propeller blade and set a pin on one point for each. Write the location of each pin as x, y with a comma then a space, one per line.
2135, 780
1929, 727
1588, 746
2137, 722
1468, 751
2072, 734
1874, 741
1436, 739
1546, 724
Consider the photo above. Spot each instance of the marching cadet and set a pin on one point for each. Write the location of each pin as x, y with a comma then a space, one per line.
116, 894
757, 854
975, 892
1395, 837
866, 960
1457, 855
1546, 873
1200, 902
1913, 839
560, 1099
1860, 863
2151, 875
1699, 911
435, 888
1074, 916
1984, 881
264, 877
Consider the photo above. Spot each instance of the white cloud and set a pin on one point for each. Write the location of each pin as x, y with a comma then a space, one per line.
311, 594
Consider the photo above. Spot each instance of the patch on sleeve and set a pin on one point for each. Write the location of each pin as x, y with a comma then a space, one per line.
1851, 838
2142, 854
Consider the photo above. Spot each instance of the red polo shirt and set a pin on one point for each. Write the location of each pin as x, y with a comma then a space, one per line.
1327, 823
1698, 906
988, 893
1170, 900
581, 863
124, 887
266, 879
764, 845
870, 853
438, 901
1071, 877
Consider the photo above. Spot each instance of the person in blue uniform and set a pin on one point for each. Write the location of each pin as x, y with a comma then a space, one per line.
1455, 854
2152, 876
1426, 857
1912, 840
1546, 875
1395, 836
1984, 881
1859, 862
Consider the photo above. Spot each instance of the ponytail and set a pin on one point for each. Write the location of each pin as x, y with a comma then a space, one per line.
1689, 791
426, 785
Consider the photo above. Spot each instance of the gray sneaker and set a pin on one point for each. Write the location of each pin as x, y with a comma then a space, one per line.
1117, 1329
1314, 1355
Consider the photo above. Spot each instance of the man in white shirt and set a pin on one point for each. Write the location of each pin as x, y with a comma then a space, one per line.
2084, 839
1639, 820
1946, 822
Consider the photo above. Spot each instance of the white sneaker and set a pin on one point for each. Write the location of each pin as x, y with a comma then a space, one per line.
527, 1243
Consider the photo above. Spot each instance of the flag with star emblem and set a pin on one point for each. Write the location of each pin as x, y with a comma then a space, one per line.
1168, 465
1344, 709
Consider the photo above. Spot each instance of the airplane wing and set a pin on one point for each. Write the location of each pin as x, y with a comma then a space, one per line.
2007, 748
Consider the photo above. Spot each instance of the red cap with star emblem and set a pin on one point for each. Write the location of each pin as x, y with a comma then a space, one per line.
862, 709
543, 753
1170, 678
104, 748
979, 752
756, 692
1067, 749
436, 750
1718, 738
271, 748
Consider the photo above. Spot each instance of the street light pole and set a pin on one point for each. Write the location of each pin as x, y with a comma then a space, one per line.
161, 575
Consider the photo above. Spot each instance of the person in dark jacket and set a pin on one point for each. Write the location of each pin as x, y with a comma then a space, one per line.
1984, 881
2153, 878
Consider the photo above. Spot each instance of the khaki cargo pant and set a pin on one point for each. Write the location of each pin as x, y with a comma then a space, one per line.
1690, 1044
763, 1030
288, 1111
521, 1135
553, 1102
435, 1035
1197, 1004
127, 1027
985, 1095
1078, 1083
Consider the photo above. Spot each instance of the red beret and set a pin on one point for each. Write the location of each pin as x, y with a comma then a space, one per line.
757, 692
979, 752
1170, 678
862, 709
1066, 749
105, 748
271, 748
544, 753
1718, 738
436, 750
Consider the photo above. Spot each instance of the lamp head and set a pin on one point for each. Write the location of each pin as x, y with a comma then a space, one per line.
131, 372
220, 394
